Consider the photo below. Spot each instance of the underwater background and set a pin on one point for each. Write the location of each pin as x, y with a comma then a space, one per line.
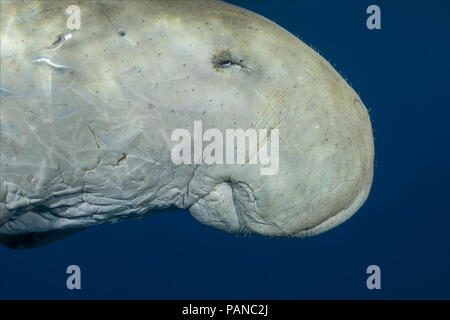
401, 73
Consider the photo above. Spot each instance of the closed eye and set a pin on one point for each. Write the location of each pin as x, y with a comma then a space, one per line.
223, 59
226, 63
220, 63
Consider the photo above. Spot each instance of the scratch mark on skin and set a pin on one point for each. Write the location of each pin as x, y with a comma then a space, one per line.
124, 156
263, 143
86, 172
60, 40
6, 92
50, 63
275, 103
270, 117
95, 137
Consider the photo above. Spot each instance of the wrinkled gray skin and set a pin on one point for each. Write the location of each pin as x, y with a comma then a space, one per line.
86, 123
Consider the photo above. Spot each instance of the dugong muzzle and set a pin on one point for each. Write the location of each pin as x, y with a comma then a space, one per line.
88, 113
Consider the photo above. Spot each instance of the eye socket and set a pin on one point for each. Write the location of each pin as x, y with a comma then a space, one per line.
225, 62
223, 58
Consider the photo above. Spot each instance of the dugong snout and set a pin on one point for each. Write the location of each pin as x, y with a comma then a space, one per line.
326, 149
325, 174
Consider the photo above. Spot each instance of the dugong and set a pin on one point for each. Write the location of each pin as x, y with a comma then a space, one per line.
92, 93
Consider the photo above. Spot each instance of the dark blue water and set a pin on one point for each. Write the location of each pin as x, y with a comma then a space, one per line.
402, 74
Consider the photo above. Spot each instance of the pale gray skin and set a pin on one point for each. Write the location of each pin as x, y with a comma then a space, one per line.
85, 134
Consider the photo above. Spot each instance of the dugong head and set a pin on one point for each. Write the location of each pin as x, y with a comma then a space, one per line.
110, 110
